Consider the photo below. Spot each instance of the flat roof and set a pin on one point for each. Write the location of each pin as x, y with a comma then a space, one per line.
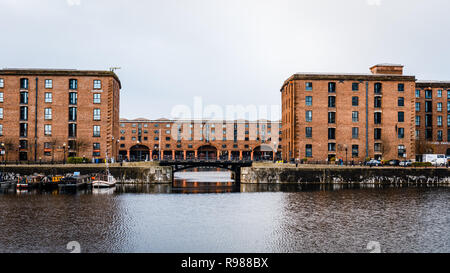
433, 84
347, 77
58, 72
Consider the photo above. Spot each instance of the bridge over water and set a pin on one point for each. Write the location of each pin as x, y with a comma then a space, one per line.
233, 166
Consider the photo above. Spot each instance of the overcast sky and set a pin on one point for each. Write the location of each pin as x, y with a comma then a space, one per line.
224, 51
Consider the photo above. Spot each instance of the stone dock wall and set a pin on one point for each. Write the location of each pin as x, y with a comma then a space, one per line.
124, 175
363, 175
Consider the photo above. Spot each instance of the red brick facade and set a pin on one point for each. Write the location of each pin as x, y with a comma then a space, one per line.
35, 110
141, 139
349, 116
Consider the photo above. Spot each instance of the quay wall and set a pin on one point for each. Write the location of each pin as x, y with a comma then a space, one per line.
123, 174
345, 175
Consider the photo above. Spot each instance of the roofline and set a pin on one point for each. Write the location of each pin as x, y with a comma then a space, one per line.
348, 77
433, 84
122, 120
388, 65
59, 72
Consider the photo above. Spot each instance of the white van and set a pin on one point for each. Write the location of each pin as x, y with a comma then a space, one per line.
435, 160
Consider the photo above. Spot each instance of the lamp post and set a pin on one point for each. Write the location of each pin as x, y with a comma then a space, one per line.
346, 154
64, 159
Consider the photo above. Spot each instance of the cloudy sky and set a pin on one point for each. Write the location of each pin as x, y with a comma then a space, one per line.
225, 51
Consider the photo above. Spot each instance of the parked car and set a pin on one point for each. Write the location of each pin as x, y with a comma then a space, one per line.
374, 162
406, 163
394, 162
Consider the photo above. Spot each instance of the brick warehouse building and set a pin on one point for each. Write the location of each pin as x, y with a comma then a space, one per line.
144, 139
349, 116
432, 117
49, 115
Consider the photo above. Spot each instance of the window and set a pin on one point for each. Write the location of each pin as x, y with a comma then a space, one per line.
428, 94
401, 133
23, 130
331, 101
308, 86
96, 131
332, 117
355, 101
448, 106
48, 130
428, 134
72, 130
428, 120
401, 87
377, 134
448, 120
401, 116
308, 116
308, 132
377, 102
24, 113
72, 114
439, 93
331, 133
309, 151
417, 106
1, 96
401, 151
23, 97
377, 119
331, 147
2, 83
401, 102
73, 84
1, 130
378, 88
1, 113
23, 83
377, 147
355, 132
355, 86
48, 97
96, 149
440, 135
355, 116
355, 151
417, 134
73, 98
48, 84
48, 113
97, 84
96, 114
429, 106
308, 101
331, 87
97, 98
439, 121
417, 93
417, 120
439, 107
448, 135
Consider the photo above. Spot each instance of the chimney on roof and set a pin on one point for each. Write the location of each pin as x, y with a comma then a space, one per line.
392, 69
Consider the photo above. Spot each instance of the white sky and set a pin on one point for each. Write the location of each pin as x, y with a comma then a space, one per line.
225, 51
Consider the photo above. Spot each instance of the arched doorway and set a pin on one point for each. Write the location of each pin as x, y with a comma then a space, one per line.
207, 152
139, 153
262, 153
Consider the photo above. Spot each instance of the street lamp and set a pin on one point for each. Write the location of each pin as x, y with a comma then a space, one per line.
3, 152
275, 150
346, 154
64, 159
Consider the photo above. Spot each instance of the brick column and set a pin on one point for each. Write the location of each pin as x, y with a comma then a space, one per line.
252, 156
196, 154
162, 155
173, 154
184, 155
240, 155
151, 155
128, 155
229, 155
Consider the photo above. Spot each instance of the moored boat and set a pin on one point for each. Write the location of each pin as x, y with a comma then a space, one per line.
104, 180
